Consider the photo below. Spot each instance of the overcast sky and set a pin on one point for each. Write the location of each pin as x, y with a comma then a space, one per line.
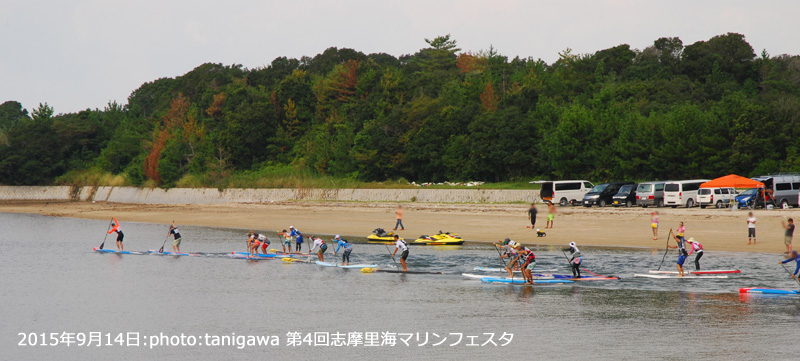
81, 54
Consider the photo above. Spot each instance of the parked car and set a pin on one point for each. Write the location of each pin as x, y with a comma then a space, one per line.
650, 194
754, 198
719, 197
785, 188
602, 194
626, 196
682, 193
564, 192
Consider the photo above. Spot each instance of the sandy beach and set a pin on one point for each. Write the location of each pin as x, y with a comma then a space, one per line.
716, 229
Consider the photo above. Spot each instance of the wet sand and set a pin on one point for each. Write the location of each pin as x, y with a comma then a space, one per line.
716, 229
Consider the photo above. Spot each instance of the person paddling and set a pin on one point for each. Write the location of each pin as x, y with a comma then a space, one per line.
796, 258
287, 241
120, 235
681, 246
401, 244
576, 259
697, 249
343, 244
176, 235
528, 260
318, 242
264, 242
509, 252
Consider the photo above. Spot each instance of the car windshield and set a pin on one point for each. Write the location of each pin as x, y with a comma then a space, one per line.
645, 188
598, 188
750, 192
626, 189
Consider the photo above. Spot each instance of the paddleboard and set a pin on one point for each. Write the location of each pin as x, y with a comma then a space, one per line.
571, 278
708, 272
521, 281
371, 270
114, 251
497, 269
260, 255
358, 266
325, 264
771, 291
676, 276
165, 253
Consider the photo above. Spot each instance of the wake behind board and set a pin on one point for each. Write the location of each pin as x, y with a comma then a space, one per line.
372, 270
707, 272
769, 291
113, 251
521, 281
676, 276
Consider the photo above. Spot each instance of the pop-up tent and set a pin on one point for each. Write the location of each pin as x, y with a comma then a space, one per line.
732, 181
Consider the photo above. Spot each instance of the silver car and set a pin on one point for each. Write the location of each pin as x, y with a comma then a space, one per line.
650, 194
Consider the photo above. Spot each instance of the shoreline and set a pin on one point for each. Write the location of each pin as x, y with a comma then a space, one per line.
717, 230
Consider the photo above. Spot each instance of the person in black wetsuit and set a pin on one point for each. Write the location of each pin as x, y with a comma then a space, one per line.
532, 216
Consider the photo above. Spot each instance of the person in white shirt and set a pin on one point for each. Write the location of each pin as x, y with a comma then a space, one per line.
318, 242
751, 229
401, 244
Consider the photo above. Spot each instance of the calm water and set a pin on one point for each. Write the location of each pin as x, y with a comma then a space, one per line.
53, 282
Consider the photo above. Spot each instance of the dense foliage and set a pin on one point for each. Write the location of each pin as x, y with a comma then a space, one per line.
668, 111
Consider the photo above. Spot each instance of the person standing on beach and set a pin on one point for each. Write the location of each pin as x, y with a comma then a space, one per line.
787, 238
654, 224
681, 232
120, 235
532, 216
551, 215
399, 214
401, 244
751, 228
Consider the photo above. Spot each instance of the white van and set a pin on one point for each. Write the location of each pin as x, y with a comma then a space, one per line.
682, 193
718, 197
564, 192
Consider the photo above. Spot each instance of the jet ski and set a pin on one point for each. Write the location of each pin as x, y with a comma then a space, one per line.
379, 236
441, 239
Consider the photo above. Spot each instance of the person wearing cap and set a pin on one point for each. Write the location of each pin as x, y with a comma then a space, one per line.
527, 259
401, 244
298, 241
681, 251
796, 258
318, 242
343, 244
697, 249
509, 252
576, 259
295, 234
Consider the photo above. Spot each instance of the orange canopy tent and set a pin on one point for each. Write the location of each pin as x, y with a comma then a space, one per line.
732, 181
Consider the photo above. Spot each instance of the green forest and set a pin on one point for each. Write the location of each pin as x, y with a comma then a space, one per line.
342, 117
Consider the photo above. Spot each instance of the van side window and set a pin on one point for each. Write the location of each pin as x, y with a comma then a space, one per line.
691, 186
571, 186
783, 186
659, 187
718, 191
588, 185
796, 186
725, 191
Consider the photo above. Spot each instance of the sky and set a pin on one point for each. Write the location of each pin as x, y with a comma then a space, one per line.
79, 54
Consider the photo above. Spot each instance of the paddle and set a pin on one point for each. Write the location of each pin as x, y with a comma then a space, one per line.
106, 236
666, 250
501, 256
790, 273
568, 261
161, 250
390, 254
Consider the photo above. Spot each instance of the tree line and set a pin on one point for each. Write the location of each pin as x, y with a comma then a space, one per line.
669, 111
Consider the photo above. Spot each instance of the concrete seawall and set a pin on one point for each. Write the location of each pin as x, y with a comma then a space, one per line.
251, 195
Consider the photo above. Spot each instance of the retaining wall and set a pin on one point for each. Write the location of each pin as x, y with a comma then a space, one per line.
251, 195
